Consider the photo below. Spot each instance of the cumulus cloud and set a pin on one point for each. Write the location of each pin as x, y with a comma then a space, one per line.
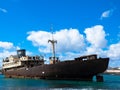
69, 56
66, 40
69, 38
3, 10
96, 36
7, 49
114, 51
96, 39
71, 43
6, 53
39, 38
94, 50
6, 45
106, 14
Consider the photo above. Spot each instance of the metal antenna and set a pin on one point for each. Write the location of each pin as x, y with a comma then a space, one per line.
53, 43
52, 31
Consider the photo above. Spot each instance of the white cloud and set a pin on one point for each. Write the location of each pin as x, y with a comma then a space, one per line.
114, 51
6, 45
69, 56
67, 39
3, 10
71, 41
96, 36
7, 49
39, 38
93, 50
72, 44
6, 53
106, 14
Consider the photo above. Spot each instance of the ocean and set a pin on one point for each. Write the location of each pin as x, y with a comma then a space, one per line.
111, 82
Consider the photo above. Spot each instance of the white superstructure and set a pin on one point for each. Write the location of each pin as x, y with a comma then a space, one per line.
21, 59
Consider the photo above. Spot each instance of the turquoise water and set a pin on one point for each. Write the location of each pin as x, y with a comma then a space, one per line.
110, 82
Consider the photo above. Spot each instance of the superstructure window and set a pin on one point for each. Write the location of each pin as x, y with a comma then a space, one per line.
29, 58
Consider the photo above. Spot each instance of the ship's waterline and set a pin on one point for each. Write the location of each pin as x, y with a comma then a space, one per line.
81, 68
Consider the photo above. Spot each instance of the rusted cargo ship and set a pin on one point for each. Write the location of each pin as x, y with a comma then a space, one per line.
81, 68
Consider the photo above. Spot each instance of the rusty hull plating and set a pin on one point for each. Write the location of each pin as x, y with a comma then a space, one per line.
81, 68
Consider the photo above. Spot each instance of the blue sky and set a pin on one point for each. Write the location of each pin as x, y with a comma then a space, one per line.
80, 27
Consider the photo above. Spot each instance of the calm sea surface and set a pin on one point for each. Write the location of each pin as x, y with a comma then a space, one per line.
110, 82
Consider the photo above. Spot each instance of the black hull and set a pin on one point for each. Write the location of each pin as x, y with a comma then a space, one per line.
73, 70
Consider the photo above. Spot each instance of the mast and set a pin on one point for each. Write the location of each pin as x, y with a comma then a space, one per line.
53, 45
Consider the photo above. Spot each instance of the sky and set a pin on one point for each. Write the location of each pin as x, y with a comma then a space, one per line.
81, 27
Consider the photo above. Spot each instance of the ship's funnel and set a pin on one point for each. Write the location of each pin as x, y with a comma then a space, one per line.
21, 52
